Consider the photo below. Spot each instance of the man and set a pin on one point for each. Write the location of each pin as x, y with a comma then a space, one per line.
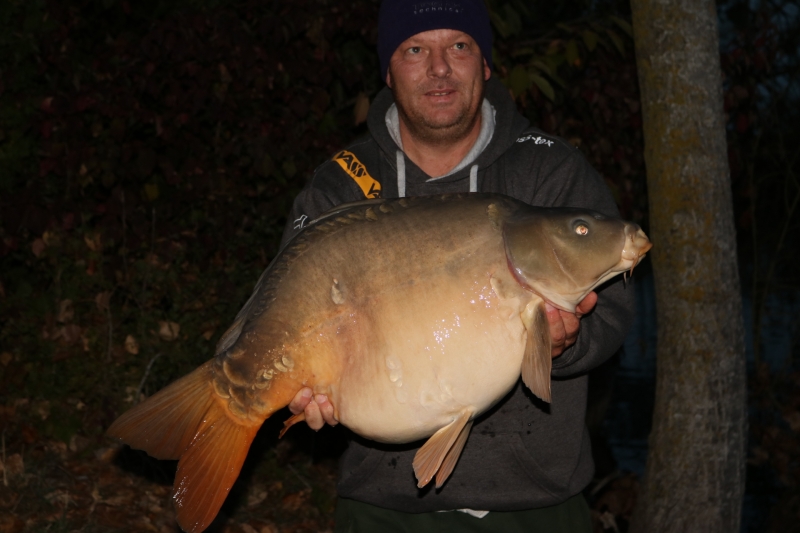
444, 125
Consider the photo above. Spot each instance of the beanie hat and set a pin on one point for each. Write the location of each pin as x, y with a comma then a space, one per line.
400, 19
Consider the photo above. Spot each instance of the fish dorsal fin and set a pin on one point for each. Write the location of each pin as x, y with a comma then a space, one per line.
438, 456
537, 361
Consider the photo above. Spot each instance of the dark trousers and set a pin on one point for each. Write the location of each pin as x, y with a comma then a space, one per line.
572, 516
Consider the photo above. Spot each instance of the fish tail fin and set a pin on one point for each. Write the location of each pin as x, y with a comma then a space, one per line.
187, 421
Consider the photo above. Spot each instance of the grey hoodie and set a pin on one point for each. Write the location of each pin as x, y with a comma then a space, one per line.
523, 453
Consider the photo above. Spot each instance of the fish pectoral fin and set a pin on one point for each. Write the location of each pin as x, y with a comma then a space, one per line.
439, 455
292, 420
537, 361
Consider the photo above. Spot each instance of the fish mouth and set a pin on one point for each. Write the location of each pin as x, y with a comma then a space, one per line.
635, 248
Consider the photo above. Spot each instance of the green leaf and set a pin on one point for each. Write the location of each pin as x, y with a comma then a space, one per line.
544, 86
541, 65
590, 39
151, 191
518, 80
524, 51
617, 40
571, 52
623, 24
513, 19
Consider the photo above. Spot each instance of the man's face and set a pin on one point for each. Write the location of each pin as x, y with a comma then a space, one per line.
437, 78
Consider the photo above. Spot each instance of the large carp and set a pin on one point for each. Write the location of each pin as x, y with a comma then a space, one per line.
414, 316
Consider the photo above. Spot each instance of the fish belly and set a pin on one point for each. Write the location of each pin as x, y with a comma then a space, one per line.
433, 349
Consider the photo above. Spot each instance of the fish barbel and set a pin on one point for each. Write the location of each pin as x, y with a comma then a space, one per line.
413, 316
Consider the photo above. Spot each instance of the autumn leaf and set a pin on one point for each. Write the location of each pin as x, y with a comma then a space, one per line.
131, 345
66, 311
93, 241
38, 247
102, 301
361, 109
168, 331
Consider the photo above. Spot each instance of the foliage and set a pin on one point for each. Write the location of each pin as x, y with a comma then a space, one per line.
763, 102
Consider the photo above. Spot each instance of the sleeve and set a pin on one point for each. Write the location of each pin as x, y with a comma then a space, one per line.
572, 182
329, 187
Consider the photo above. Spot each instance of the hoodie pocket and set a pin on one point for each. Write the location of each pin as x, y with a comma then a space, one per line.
357, 465
532, 468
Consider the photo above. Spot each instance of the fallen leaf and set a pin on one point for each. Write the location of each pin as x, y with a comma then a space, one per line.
49, 238
37, 247
78, 443
6, 358
131, 345
106, 455
256, 495
13, 466
208, 334
43, 409
293, 502
11, 524
361, 109
93, 241
66, 311
168, 331
69, 334
102, 301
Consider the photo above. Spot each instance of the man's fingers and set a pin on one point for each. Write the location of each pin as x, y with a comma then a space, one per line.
572, 324
318, 410
313, 416
300, 400
587, 304
326, 409
557, 332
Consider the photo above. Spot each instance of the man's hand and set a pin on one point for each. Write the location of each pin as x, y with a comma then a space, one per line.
564, 326
318, 410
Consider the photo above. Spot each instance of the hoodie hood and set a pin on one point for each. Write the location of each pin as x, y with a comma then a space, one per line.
509, 124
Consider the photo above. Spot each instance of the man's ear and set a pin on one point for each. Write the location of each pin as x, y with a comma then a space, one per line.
389, 78
487, 72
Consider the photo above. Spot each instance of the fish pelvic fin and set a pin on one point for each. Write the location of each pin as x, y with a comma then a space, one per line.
439, 455
189, 422
537, 361
292, 420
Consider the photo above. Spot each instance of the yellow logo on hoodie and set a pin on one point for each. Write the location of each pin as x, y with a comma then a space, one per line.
356, 170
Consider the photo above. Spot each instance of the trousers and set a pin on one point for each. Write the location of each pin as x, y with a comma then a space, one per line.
571, 516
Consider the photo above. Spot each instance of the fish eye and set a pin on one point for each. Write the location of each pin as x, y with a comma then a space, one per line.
581, 228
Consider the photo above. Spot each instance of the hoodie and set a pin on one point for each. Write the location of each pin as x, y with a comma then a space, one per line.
523, 453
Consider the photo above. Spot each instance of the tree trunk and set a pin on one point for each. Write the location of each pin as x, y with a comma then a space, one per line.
694, 479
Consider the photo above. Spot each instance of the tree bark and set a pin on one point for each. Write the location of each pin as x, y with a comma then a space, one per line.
694, 478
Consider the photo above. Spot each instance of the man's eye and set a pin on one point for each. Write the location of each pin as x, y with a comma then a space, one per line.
414, 50
460, 46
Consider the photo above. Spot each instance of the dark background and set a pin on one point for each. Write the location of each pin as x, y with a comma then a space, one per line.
149, 153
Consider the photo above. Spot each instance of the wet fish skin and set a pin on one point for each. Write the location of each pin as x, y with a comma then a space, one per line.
397, 310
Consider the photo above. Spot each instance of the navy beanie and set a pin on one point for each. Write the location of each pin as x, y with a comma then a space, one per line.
400, 19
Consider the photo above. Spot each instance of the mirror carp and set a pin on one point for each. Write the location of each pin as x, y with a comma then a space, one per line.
413, 316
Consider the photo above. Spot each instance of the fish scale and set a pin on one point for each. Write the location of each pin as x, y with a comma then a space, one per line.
413, 316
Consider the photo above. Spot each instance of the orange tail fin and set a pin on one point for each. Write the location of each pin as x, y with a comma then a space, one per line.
186, 421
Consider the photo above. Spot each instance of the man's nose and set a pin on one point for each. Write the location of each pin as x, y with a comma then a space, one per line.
439, 66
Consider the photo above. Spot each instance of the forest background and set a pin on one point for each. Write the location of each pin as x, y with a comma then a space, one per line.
149, 153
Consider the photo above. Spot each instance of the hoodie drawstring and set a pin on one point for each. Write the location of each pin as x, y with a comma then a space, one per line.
401, 174
473, 178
